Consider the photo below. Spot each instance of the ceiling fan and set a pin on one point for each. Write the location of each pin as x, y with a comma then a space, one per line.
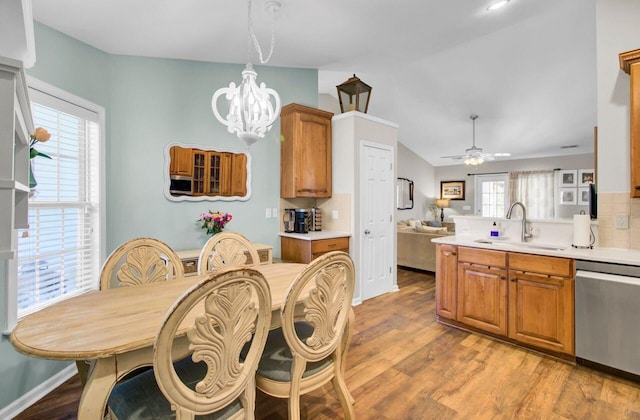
474, 155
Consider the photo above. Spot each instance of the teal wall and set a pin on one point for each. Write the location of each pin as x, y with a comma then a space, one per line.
150, 102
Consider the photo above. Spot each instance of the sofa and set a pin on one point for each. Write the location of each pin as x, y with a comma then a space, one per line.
415, 249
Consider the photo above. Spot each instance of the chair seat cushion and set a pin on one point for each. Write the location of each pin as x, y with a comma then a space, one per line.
276, 360
140, 397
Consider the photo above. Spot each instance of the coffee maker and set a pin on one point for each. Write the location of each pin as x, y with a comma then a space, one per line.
301, 221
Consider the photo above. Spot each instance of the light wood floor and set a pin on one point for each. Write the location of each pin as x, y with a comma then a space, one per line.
404, 365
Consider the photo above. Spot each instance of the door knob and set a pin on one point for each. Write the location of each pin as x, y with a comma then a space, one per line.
367, 231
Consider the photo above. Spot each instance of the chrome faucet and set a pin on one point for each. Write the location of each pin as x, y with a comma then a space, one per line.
525, 235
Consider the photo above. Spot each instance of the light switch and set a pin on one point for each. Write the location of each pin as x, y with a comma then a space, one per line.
267, 213
274, 213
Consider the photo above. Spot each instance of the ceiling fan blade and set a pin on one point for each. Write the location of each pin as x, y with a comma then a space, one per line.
452, 157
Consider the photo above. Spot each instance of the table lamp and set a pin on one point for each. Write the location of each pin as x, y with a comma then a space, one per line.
442, 204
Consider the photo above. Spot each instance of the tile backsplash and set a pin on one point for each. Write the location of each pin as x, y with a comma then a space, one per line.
338, 203
619, 203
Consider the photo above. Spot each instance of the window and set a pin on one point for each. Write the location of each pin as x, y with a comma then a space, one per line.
534, 189
59, 255
491, 195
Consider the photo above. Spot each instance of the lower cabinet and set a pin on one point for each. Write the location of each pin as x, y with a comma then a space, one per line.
447, 281
525, 298
541, 302
304, 251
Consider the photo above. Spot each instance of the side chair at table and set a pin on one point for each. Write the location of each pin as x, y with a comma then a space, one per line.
226, 249
305, 354
209, 378
139, 261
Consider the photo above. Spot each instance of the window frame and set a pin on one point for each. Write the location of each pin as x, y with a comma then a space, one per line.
11, 316
479, 180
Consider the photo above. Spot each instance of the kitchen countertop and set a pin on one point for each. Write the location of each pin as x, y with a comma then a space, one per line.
315, 236
601, 254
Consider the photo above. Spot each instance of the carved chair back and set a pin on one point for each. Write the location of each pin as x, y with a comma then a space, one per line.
227, 249
236, 311
140, 261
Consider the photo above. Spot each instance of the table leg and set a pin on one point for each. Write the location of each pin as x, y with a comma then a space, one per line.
93, 401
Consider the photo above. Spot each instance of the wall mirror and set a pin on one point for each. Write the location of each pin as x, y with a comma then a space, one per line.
196, 173
404, 194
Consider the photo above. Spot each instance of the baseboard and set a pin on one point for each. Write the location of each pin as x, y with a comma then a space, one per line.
36, 394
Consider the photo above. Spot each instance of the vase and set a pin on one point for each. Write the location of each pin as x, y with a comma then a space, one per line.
32, 179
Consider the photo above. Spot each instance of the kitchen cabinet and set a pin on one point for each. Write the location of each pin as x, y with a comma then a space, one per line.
16, 124
541, 301
446, 280
304, 251
630, 63
219, 173
482, 289
305, 152
181, 161
525, 298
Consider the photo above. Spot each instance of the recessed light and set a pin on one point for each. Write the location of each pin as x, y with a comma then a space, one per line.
498, 5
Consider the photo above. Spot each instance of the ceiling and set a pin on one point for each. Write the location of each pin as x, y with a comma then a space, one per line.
528, 70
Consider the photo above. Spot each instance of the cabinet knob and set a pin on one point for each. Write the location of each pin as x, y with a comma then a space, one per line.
502, 277
637, 187
366, 232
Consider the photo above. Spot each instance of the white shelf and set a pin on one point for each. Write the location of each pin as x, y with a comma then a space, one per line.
15, 125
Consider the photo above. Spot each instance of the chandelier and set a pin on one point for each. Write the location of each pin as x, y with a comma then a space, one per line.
252, 109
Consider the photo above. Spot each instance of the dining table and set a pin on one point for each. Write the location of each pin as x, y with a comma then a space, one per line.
116, 329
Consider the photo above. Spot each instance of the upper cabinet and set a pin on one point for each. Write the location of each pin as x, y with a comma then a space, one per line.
630, 63
194, 173
305, 152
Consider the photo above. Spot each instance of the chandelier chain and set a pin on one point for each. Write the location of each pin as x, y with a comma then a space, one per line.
252, 36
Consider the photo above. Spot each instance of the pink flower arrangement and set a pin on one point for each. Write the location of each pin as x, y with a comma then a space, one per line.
214, 221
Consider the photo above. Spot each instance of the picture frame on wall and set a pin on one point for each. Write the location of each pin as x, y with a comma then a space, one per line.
586, 177
568, 178
568, 196
452, 190
583, 196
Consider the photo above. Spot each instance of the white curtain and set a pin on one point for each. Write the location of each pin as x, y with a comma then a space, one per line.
535, 189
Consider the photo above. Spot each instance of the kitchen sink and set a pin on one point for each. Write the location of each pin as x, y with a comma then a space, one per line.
521, 244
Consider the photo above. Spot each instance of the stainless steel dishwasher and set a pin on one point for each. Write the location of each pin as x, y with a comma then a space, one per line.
607, 310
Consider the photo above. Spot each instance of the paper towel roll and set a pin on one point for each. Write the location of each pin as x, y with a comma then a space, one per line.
581, 230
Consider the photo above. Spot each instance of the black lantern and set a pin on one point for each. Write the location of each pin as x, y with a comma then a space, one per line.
354, 95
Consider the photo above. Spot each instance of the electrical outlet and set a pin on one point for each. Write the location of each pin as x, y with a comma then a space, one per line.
267, 213
274, 213
622, 221
334, 214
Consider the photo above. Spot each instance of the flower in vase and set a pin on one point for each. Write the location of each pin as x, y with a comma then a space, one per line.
214, 221
39, 135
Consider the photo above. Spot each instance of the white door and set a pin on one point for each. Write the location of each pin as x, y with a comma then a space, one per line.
376, 219
492, 195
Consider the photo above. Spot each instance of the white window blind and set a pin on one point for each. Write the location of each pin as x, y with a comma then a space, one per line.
58, 256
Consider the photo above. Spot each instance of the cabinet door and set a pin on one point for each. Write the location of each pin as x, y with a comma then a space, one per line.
541, 311
313, 169
199, 172
181, 161
482, 297
238, 175
446, 281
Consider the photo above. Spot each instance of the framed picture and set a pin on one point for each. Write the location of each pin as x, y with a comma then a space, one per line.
452, 190
568, 178
568, 196
585, 177
583, 196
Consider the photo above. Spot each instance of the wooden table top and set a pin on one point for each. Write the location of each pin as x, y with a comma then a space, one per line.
101, 324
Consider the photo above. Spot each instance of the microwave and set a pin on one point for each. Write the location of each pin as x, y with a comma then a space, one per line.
181, 185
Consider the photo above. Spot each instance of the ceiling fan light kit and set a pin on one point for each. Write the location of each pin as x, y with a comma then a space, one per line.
252, 109
474, 156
